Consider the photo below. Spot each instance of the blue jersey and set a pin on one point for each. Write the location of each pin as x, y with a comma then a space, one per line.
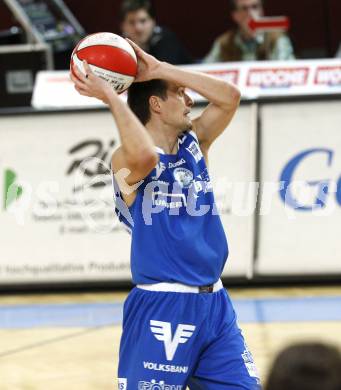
177, 234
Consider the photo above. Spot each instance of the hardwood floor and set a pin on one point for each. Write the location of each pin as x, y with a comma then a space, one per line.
85, 358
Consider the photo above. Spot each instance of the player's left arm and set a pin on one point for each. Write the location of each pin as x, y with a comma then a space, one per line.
224, 97
223, 100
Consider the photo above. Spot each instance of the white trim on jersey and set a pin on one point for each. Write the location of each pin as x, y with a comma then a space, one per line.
194, 135
159, 150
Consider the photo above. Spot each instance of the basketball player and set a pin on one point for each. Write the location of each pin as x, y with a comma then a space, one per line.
179, 326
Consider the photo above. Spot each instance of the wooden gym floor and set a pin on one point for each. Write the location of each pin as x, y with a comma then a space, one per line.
60, 341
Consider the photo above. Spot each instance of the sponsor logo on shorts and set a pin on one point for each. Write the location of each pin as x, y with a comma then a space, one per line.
165, 367
153, 385
163, 332
122, 383
249, 363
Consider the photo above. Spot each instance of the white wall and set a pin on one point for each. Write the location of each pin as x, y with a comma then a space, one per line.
292, 240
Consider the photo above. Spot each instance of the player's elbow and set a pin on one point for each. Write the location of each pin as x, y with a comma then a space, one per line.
236, 95
232, 96
144, 161
149, 160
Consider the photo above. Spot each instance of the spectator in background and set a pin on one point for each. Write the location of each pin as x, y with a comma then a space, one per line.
138, 24
310, 366
242, 44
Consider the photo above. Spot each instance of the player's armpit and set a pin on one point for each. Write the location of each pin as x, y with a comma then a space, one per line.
214, 120
130, 171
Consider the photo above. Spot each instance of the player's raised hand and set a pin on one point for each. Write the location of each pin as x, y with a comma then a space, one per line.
147, 65
90, 84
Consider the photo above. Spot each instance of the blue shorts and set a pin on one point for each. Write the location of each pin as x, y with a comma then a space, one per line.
172, 340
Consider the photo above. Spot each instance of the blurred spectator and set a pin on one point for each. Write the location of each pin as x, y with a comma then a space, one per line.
242, 44
306, 366
138, 24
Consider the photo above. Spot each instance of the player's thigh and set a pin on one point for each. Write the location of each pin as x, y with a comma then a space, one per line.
226, 363
227, 366
160, 340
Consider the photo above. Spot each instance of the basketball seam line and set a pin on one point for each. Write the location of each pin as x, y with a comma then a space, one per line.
109, 70
135, 59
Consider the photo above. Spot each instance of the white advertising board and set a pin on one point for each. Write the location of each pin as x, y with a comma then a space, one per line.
50, 229
56, 218
254, 79
279, 78
54, 89
300, 222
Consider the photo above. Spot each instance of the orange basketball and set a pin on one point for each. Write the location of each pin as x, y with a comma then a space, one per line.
109, 56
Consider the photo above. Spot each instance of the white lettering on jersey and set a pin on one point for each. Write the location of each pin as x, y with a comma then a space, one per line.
177, 164
161, 167
160, 198
195, 151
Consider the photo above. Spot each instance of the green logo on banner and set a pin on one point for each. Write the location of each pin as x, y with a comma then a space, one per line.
12, 192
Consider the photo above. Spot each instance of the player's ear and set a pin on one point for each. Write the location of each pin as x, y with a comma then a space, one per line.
154, 103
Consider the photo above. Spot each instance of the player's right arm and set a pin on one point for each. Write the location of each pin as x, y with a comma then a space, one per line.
136, 157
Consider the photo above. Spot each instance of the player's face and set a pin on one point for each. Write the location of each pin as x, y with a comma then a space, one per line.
176, 108
138, 26
245, 10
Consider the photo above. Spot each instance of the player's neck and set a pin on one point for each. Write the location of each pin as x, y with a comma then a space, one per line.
164, 137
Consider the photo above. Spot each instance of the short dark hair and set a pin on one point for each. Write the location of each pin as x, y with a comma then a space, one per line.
139, 94
233, 4
306, 366
135, 5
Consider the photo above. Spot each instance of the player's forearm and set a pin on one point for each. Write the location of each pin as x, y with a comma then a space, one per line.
135, 140
216, 91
